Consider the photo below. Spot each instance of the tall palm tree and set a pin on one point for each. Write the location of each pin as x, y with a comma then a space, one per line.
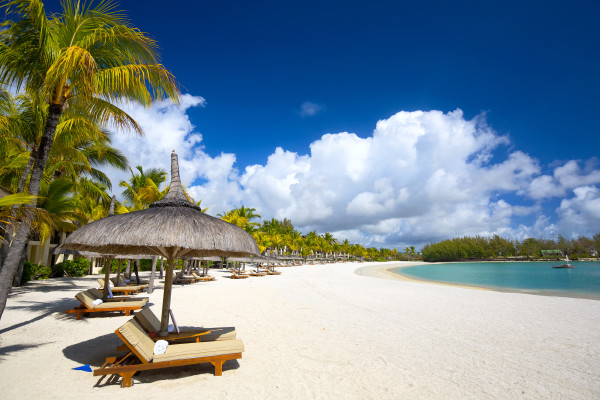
87, 57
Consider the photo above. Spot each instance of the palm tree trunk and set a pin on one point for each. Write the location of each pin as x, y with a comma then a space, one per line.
9, 268
26, 171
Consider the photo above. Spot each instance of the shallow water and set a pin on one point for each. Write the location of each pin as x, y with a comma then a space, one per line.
538, 277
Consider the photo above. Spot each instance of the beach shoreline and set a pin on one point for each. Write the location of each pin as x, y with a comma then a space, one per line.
322, 331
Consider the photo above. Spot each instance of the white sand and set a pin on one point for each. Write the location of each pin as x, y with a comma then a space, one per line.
319, 332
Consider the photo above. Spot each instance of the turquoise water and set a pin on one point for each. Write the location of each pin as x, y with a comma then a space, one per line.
581, 281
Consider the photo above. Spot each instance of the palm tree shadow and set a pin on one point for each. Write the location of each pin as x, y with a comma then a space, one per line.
45, 308
8, 350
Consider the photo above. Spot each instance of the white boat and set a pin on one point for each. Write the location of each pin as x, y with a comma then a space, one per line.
567, 265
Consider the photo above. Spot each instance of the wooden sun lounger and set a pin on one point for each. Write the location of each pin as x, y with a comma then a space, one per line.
272, 272
203, 278
141, 355
184, 280
122, 305
254, 273
238, 276
126, 289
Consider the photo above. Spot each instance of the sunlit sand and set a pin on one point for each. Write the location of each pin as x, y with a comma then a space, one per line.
319, 331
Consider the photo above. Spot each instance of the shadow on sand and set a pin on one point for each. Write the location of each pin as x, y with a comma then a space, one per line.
9, 350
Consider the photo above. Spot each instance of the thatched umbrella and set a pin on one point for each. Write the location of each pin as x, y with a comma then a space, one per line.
172, 227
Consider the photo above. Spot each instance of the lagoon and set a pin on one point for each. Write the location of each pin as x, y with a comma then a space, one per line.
533, 277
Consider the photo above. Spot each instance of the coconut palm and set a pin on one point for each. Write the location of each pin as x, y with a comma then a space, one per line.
143, 188
87, 57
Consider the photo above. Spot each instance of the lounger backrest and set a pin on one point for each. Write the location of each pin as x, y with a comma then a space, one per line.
95, 293
136, 337
114, 281
101, 282
147, 320
85, 298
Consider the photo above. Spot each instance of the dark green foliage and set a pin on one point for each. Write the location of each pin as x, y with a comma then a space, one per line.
482, 248
79, 267
34, 271
145, 265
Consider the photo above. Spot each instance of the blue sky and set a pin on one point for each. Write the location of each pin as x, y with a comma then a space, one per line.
264, 75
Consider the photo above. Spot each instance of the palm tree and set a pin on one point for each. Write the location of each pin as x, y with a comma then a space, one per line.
143, 189
85, 58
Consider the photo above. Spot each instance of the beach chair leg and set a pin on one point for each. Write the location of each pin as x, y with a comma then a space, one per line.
127, 312
79, 314
218, 367
127, 381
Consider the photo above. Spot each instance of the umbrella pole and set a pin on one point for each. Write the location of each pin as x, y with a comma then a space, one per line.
164, 321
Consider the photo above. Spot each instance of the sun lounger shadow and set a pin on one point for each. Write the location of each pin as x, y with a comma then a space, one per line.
92, 351
174, 373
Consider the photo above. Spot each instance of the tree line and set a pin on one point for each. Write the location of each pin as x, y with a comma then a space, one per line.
496, 247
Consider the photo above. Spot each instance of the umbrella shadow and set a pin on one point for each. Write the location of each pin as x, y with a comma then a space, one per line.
95, 351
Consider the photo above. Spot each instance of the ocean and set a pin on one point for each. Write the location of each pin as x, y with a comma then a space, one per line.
533, 277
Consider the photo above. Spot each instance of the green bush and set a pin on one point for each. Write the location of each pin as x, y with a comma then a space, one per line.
79, 267
34, 271
58, 270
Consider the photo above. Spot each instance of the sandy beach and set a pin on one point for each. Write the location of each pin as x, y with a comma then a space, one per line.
344, 331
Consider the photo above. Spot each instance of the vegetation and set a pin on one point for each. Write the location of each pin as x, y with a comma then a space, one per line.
79, 267
279, 238
478, 248
73, 66
33, 271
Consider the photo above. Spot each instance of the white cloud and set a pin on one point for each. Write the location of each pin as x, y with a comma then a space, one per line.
420, 177
565, 178
308, 109
580, 214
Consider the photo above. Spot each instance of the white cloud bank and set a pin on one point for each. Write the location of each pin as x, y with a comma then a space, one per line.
421, 176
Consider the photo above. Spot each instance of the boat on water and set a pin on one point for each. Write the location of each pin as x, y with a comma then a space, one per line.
567, 265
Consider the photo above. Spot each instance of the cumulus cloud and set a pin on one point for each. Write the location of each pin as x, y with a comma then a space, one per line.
166, 128
580, 214
421, 176
565, 177
308, 109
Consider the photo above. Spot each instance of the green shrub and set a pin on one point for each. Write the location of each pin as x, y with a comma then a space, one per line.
58, 270
79, 267
34, 271
29, 270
